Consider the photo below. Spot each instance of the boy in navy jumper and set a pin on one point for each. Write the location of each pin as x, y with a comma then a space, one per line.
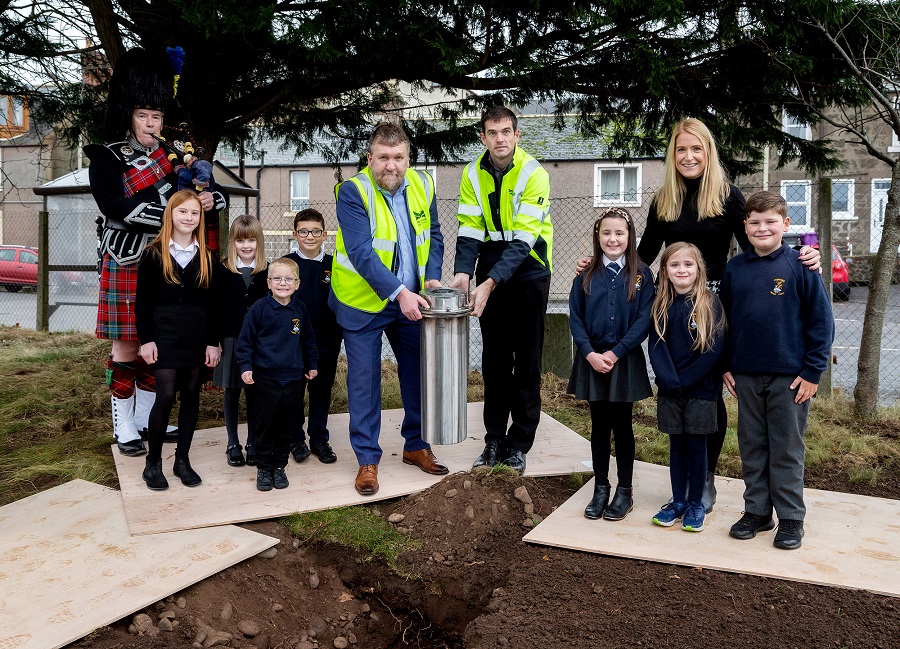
315, 285
781, 329
275, 352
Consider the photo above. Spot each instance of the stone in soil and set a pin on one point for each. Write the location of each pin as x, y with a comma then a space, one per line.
396, 518
521, 494
270, 553
249, 628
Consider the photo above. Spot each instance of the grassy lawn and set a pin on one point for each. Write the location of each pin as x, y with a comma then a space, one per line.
55, 424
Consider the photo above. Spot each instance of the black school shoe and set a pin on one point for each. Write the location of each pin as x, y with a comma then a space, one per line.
234, 455
515, 460
299, 451
153, 475
263, 479
183, 470
746, 528
279, 478
251, 455
789, 534
489, 456
325, 453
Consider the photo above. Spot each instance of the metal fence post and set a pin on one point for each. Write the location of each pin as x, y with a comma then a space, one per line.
43, 279
823, 218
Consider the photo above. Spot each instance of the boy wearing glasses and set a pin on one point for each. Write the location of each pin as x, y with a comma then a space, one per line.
275, 352
315, 285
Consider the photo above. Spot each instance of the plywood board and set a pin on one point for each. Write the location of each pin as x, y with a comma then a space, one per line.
229, 495
851, 541
68, 564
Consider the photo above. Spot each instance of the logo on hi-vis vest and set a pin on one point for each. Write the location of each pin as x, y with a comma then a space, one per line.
778, 288
541, 200
420, 216
296, 328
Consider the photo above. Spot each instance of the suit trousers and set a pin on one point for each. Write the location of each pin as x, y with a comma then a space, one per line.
770, 437
363, 348
512, 330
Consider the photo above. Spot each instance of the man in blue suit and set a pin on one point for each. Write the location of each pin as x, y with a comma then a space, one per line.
388, 247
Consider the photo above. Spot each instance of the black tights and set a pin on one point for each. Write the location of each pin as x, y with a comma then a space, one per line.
232, 408
169, 382
615, 417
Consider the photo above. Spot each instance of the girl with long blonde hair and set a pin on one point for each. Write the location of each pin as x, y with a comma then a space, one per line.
686, 340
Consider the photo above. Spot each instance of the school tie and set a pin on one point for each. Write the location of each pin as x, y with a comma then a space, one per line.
613, 269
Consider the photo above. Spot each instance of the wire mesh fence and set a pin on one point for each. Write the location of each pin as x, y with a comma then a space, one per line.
857, 218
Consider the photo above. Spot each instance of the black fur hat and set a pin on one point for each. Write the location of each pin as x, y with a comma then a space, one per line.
140, 79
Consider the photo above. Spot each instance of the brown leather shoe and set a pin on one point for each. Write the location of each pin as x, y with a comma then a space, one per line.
426, 461
367, 480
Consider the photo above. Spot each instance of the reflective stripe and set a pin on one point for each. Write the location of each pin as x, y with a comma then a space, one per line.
469, 210
370, 200
423, 175
472, 171
527, 237
500, 236
471, 233
383, 244
521, 183
422, 237
422, 273
344, 261
531, 210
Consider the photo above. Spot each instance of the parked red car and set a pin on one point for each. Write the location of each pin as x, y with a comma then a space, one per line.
18, 267
840, 276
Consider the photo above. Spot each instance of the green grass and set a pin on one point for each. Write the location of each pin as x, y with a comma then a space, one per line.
354, 527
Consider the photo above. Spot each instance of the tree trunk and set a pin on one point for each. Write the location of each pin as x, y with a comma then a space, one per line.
866, 391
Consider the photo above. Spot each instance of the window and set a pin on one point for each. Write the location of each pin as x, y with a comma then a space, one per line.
617, 185
797, 195
27, 257
13, 116
18, 112
842, 202
299, 190
792, 126
7, 254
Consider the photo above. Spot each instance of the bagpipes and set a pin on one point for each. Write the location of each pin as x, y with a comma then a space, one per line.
194, 172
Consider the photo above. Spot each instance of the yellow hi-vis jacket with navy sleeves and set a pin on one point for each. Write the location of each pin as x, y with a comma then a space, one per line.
349, 286
524, 235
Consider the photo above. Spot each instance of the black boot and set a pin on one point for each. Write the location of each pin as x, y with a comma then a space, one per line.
598, 503
620, 506
153, 475
183, 470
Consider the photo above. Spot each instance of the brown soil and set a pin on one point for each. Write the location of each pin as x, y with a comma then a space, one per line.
475, 584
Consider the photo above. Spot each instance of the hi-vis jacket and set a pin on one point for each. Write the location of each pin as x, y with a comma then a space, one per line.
351, 288
507, 228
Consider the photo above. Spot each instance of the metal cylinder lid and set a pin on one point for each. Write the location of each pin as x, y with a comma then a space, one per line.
445, 302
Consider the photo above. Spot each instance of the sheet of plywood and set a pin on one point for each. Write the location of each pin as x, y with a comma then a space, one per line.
851, 541
68, 564
229, 495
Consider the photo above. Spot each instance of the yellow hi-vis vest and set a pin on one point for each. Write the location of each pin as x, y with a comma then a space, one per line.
348, 285
524, 204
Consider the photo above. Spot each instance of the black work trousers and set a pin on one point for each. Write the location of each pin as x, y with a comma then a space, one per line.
512, 331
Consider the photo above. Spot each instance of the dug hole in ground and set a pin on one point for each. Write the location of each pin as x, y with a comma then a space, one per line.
473, 583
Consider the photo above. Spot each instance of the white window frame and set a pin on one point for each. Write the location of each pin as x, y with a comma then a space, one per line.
432, 171
599, 201
299, 201
18, 112
895, 143
807, 202
791, 126
850, 213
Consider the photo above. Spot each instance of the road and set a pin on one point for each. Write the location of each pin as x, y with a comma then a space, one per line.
78, 312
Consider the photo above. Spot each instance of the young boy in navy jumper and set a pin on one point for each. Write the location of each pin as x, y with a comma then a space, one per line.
275, 352
315, 285
781, 328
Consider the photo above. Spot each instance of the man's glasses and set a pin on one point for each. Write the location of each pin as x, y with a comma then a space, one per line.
282, 280
306, 233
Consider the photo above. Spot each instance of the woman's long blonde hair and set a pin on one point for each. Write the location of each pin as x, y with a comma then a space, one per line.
713, 186
703, 314
246, 227
160, 245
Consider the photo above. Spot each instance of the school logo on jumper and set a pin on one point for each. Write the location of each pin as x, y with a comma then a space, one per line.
296, 328
327, 278
692, 325
778, 288
638, 282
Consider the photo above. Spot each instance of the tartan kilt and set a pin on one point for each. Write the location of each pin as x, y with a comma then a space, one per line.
115, 307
